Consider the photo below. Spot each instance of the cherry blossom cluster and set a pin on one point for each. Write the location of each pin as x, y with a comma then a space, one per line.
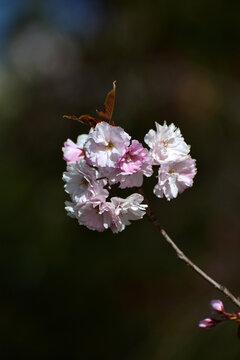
169, 151
107, 158
217, 308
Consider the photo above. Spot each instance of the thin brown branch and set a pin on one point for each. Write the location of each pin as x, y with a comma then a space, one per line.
183, 257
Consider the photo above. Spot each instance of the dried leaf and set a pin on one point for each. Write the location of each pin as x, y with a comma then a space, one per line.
106, 114
84, 119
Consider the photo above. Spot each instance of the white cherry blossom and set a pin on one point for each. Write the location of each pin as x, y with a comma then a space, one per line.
174, 177
166, 143
128, 209
82, 182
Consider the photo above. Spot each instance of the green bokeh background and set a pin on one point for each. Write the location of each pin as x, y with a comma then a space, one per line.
70, 293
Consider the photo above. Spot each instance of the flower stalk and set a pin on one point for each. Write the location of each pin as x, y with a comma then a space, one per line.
183, 257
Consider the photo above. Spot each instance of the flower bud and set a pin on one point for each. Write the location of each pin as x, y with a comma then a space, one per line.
216, 306
207, 323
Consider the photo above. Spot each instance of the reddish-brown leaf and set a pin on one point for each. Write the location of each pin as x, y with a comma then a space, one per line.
84, 119
106, 114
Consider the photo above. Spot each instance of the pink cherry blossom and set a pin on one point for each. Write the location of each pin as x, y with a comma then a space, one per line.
130, 180
136, 179
74, 152
98, 214
127, 180
133, 158
106, 145
91, 214
82, 182
134, 164
174, 177
166, 144
95, 215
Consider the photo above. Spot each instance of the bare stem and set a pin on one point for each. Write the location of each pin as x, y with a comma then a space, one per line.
183, 257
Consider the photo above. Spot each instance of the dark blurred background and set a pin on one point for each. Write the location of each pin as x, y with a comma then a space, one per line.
70, 293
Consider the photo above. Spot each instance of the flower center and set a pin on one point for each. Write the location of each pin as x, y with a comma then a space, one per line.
171, 171
97, 209
164, 143
84, 181
128, 157
109, 145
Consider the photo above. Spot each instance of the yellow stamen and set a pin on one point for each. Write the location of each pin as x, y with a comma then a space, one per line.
165, 143
109, 145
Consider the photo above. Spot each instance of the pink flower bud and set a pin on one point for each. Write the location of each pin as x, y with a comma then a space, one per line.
207, 323
216, 306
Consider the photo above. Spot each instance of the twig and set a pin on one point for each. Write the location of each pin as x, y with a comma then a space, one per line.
183, 257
